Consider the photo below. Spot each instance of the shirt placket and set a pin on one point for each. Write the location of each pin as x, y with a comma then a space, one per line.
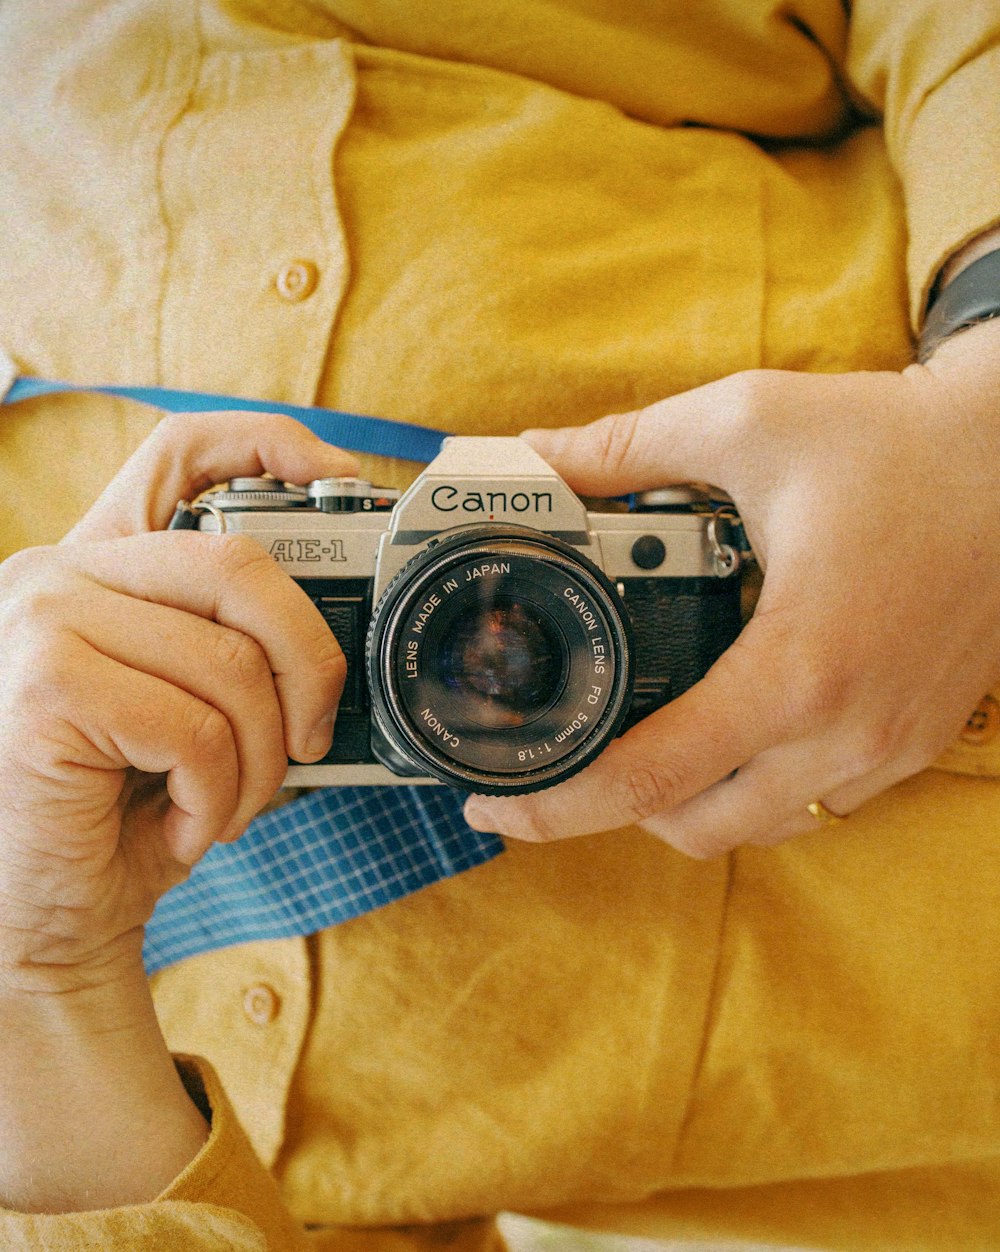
257, 263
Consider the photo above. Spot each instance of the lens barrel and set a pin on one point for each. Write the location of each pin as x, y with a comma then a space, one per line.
499, 660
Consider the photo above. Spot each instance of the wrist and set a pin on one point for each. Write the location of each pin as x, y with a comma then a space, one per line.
89, 1058
38, 965
971, 355
954, 397
73, 1001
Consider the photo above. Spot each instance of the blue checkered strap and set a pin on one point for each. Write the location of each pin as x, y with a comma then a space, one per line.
328, 856
334, 853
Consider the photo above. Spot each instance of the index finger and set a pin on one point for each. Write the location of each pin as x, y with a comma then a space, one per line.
188, 453
231, 580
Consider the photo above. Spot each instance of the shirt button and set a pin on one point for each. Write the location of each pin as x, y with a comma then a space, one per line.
984, 724
296, 281
261, 1004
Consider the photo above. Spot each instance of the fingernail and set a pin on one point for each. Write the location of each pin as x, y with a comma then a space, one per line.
321, 736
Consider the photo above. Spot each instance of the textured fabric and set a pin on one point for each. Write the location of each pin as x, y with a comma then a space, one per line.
224, 1200
536, 212
330, 855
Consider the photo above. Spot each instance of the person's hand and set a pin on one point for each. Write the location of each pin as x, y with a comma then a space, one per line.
154, 684
873, 502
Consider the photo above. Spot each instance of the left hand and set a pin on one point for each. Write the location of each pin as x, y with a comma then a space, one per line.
872, 500
153, 689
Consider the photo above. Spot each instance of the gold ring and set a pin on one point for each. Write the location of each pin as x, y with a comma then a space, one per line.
822, 814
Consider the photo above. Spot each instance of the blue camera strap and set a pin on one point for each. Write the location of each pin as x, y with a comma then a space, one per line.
335, 852
353, 431
332, 854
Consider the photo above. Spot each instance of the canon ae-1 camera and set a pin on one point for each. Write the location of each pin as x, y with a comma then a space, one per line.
498, 634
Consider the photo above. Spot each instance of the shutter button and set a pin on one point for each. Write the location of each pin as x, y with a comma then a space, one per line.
261, 1004
296, 281
984, 724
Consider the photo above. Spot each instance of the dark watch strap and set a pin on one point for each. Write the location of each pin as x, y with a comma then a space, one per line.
972, 297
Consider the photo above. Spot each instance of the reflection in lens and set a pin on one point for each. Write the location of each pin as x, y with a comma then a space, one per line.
506, 659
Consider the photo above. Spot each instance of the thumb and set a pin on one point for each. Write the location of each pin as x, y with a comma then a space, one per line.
675, 440
188, 453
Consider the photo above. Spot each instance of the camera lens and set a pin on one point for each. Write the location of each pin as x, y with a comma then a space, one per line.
498, 660
506, 661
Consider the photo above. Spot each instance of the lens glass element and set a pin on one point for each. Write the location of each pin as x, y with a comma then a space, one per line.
505, 661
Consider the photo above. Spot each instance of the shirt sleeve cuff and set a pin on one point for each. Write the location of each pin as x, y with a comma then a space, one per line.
227, 1172
948, 164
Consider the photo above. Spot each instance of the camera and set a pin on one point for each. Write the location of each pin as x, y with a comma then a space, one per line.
498, 632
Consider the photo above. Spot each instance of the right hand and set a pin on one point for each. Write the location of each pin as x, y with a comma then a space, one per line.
154, 684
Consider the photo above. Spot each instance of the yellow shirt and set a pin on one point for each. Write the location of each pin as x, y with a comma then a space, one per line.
511, 215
